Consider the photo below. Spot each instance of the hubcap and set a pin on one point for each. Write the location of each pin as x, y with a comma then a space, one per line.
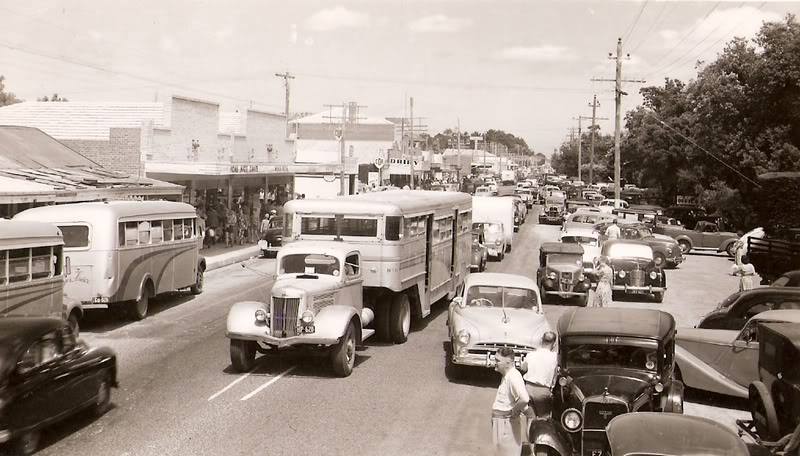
406, 319
684, 247
30, 441
350, 351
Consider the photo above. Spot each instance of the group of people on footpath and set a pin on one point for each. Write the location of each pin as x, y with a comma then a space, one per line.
521, 398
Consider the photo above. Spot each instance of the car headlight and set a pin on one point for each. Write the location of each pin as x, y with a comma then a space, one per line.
552, 276
307, 318
497, 242
463, 337
622, 274
669, 250
261, 315
653, 275
571, 420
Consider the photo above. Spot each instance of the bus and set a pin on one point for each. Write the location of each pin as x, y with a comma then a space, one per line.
32, 272
122, 253
415, 247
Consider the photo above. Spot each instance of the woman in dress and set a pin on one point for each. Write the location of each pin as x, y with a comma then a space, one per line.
605, 276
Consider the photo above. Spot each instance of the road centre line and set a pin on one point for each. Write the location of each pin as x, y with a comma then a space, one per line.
265, 385
230, 385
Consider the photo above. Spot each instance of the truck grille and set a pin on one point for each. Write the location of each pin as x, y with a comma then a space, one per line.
637, 278
284, 316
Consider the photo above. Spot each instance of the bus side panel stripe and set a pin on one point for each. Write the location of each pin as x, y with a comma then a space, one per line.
22, 303
123, 284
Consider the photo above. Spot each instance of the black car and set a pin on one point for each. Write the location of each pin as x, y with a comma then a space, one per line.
737, 309
787, 279
45, 376
635, 270
611, 361
272, 239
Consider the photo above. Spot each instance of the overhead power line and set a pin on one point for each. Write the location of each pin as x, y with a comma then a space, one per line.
635, 21
652, 26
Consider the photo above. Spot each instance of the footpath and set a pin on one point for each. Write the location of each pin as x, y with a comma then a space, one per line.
219, 256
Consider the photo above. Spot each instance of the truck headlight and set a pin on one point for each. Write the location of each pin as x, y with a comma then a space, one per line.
552, 276
307, 318
463, 337
571, 420
622, 274
261, 315
653, 275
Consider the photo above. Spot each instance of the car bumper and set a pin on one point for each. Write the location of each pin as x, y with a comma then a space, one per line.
632, 289
495, 251
5, 435
269, 247
565, 294
487, 360
283, 342
675, 261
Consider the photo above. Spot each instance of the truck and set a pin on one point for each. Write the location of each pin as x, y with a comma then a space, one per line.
495, 210
508, 176
773, 256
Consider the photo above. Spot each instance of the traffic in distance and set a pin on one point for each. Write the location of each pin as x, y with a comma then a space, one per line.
584, 307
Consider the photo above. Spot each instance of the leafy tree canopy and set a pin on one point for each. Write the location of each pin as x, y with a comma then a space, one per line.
6, 98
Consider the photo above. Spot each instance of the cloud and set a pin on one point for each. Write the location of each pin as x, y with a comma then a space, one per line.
223, 34
335, 18
293, 34
438, 23
721, 25
309, 41
544, 53
169, 44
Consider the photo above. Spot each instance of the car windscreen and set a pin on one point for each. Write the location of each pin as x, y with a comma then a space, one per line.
497, 296
605, 355
309, 263
630, 251
75, 236
557, 258
584, 240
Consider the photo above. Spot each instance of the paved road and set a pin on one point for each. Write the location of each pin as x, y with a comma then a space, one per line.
178, 395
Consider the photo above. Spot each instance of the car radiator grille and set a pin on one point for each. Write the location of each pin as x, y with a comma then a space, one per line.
565, 281
598, 414
284, 316
637, 278
492, 347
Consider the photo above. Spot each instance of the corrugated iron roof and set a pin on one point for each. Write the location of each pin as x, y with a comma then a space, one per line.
27, 147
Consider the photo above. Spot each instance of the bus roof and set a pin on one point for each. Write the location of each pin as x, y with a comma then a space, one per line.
79, 212
392, 202
21, 234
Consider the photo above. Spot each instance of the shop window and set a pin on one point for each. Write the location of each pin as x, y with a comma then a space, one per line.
41, 262
18, 265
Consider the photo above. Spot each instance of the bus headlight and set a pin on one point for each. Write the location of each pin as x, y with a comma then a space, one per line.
622, 274
571, 420
308, 317
261, 315
653, 275
463, 337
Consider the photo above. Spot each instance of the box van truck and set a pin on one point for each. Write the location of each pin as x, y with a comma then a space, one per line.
487, 209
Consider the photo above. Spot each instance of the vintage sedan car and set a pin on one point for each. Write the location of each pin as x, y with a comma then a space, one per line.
704, 236
485, 190
480, 254
721, 360
560, 273
39, 358
775, 397
609, 204
495, 310
666, 251
272, 239
589, 239
632, 434
585, 218
635, 271
735, 310
611, 361
552, 213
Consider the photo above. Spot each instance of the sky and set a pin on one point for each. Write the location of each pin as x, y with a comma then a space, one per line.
525, 67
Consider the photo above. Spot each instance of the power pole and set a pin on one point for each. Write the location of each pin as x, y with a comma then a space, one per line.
580, 141
618, 112
349, 115
286, 76
458, 148
411, 162
594, 106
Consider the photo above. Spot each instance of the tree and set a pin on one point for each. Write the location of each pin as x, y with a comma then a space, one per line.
55, 97
6, 98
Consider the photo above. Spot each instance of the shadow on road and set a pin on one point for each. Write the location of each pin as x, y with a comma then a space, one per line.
715, 400
106, 320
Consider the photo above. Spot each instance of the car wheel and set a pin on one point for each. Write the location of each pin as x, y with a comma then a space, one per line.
103, 399
400, 318
243, 354
343, 357
501, 256
197, 288
763, 410
74, 322
659, 260
265, 254
508, 248
583, 302
658, 296
138, 308
541, 450
685, 246
27, 443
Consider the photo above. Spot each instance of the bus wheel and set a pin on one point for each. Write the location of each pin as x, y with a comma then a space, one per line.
400, 318
197, 288
243, 354
139, 307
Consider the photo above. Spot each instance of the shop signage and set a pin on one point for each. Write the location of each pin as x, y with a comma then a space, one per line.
244, 168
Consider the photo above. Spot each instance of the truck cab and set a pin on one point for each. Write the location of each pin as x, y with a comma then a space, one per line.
316, 303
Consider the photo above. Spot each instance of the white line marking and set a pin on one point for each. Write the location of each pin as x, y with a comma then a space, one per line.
258, 390
230, 385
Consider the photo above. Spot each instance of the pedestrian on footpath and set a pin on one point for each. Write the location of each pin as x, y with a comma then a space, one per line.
745, 271
510, 402
605, 277
612, 232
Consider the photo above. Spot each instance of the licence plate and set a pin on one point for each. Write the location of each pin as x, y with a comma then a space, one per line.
100, 300
305, 329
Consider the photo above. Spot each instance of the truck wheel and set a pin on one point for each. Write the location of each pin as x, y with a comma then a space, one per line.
243, 354
685, 246
197, 288
138, 309
763, 410
381, 322
400, 319
343, 357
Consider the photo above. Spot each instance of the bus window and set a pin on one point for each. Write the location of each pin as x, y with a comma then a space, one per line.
75, 235
156, 234
129, 234
318, 225
188, 228
394, 228
3, 257
18, 265
359, 227
166, 227
144, 232
178, 229
41, 261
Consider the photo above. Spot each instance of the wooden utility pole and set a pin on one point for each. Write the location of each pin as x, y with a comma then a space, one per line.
349, 115
594, 106
580, 141
618, 110
286, 76
411, 133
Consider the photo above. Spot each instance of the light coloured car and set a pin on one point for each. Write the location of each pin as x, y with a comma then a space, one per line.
494, 238
609, 204
485, 190
495, 310
590, 240
724, 361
